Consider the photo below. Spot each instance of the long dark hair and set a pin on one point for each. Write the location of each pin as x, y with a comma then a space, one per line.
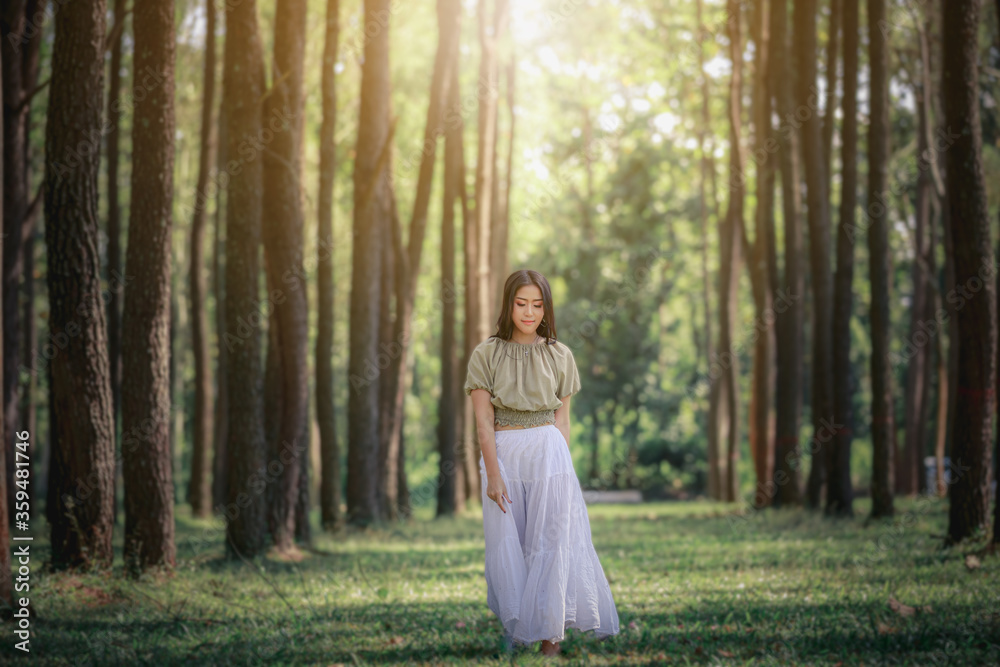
516, 280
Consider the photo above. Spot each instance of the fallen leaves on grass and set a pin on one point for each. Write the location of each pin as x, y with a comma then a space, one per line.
906, 610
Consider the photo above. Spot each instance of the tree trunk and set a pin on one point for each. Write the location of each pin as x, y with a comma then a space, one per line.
498, 222
303, 531
330, 491
199, 490
819, 252
712, 427
910, 472
788, 383
5, 578
273, 396
469, 449
450, 473
877, 222
839, 498
13, 23
504, 228
241, 92
996, 454
391, 256
220, 460
114, 208
944, 383
80, 493
30, 69
30, 333
21, 63
371, 222
761, 400
829, 117
974, 272
146, 404
30, 65
488, 76
731, 233
282, 225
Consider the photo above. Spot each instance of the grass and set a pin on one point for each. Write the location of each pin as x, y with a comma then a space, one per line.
693, 585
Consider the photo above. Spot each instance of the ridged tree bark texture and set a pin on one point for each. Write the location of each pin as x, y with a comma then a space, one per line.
146, 395
246, 530
81, 477
283, 232
975, 274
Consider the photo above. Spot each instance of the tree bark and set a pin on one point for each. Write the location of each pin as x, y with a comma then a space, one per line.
468, 447
839, 499
13, 21
146, 404
21, 61
450, 472
199, 489
829, 117
788, 383
944, 384
5, 578
761, 400
30, 65
371, 222
498, 222
242, 85
712, 427
391, 256
220, 460
819, 252
504, 228
282, 222
114, 209
730, 267
974, 272
330, 491
80, 493
877, 222
910, 472
485, 162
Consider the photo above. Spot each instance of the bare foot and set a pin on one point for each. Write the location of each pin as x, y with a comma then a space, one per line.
550, 648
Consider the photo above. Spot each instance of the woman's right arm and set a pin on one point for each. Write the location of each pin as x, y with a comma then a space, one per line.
496, 490
481, 403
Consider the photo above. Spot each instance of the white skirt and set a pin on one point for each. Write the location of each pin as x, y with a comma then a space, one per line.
542, 573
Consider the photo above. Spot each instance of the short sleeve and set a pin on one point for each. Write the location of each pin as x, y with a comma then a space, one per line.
478, 376
569, 376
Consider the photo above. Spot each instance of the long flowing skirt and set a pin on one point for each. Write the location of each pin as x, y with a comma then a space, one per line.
542, 572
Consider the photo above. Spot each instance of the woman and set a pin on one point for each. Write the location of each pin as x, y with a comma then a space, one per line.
542, 573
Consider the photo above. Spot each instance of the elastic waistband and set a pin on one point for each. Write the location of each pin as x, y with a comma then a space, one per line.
505, 417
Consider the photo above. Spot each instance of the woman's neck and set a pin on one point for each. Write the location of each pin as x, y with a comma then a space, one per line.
514, 337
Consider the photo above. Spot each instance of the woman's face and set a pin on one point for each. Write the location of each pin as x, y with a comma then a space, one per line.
529, 309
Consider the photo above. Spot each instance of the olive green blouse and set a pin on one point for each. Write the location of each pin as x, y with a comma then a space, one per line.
525, 380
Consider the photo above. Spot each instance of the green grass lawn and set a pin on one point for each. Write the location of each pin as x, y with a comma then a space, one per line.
692, 586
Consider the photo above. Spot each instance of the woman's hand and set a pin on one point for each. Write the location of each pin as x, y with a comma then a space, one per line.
496, 491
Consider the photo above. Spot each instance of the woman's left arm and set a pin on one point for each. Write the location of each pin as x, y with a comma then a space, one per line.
562, 419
